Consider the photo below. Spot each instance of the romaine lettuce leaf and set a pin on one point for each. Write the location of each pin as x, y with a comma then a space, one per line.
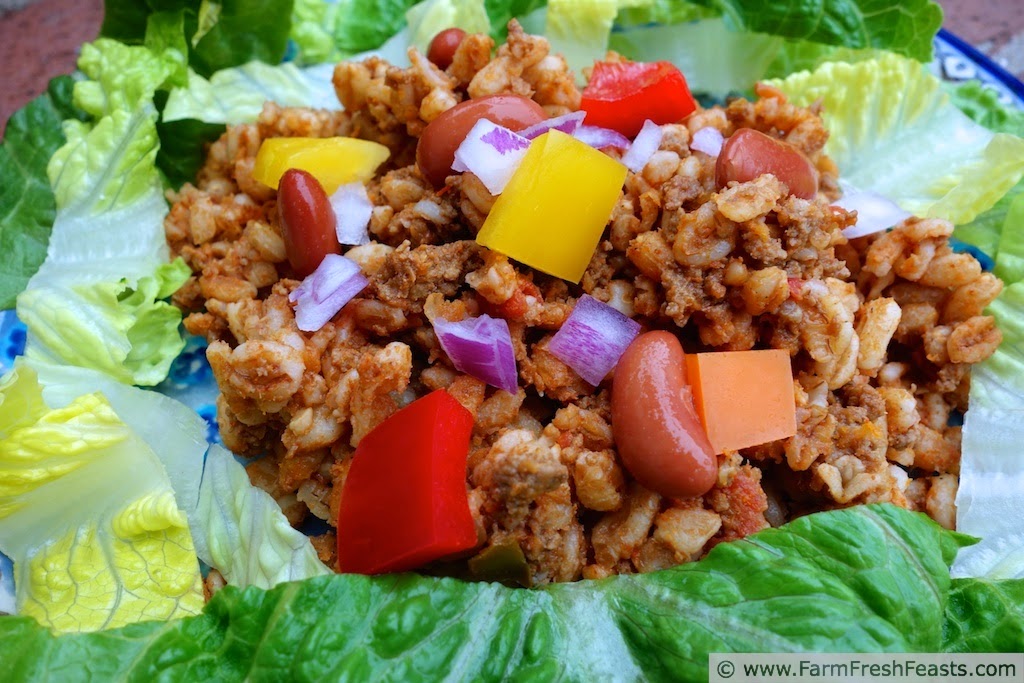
895, 131
982, 104
906, 28
428, 18
236, 527
714, 59
991, 489
313, 31
242, 31
126, 332
165, 35
237, 95
219, 34
241, 531
178, 438
1010, 253
95, 301
869, 578
88, 516
984, 616
500, 11
645, 12
366, 24
726, 47
196, 114
991, 481
987, 230
579, 30
27, 206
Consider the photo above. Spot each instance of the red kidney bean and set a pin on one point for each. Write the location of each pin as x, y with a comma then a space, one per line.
307, 219
435, 150
658, 434
748, 154
442, 48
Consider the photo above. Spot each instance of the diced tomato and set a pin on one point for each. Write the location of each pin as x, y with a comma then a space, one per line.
796, 288
404, 501
516, 306
621, 96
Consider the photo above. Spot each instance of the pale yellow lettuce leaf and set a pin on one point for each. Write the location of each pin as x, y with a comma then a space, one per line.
895, 131
88, 515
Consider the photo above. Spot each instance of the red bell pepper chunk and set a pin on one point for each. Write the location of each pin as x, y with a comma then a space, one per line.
621, 96
404, 502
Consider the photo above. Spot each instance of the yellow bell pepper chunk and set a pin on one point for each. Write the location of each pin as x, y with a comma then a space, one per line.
332, 161
555, 207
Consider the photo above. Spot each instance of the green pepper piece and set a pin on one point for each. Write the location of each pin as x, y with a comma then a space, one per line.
502, 562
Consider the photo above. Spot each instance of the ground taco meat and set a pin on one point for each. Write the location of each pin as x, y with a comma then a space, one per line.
882, 330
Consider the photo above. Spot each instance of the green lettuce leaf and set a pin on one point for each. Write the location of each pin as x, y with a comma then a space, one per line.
428, 18
165, 35
96, 300
1010, 252
219, 34
895, 131
183, 148
241, 531
991, 486
725, 47
987, 230
500, 11
178, 438
906, 28
714, 59
244, 30
313, 31
88, 516
27, 206
663, 12
982, 105
126, 332
196, 115
237, 95
991, 482
984, 616
235, 527
366, 24
579, 30
871, 578
991, 490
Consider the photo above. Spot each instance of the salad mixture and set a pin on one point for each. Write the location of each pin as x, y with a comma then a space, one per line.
707, 228
724, 322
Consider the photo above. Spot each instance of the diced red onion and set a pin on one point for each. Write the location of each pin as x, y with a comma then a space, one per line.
593, 338
599, 138
644, 145
352, 208
708, 140
875, 212
480, 347
326, 291
567, 123
492, 153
